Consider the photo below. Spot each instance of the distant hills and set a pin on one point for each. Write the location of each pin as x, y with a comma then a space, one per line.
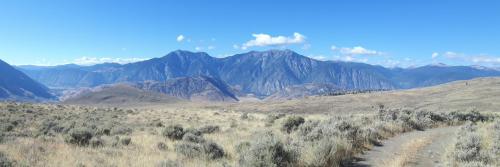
200, 88
261, 74
122, 94
15, 85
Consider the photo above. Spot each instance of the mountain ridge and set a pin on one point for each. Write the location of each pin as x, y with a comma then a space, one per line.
262, 73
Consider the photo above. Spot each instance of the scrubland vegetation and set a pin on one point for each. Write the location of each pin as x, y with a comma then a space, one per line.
59, 135
476, 145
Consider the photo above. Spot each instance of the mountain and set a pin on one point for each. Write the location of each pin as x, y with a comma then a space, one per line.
431, 75
260, 74
304, 90
122, 94
15, 85
265, 73
199, 88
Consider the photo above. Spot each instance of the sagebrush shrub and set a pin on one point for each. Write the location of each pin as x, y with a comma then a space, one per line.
79, 136
469, 149
174, 132
125, 141
330, 152
161, 146
96, 142
189, 149
292, 123
193, 131
213, 150
5, 162
244, 116
209, 150
267, 150
193, 138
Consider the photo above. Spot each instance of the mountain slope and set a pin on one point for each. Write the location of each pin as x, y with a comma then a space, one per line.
16, 85
259, 73
301, 91
122, 94
199, 88
265, 73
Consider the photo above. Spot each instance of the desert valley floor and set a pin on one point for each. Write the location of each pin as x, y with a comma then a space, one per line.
389, 128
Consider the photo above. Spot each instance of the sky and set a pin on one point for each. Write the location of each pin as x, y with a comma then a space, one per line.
384, 32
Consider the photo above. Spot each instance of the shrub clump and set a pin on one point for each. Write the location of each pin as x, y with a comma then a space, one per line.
209, 150
292, 123
244, 116
267, 150
469, 149
96, 142
5, 162
193, 138
125, 141
174, 132
161, 146
213, 150
80, 136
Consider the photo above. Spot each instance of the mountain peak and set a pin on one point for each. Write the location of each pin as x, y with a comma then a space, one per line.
185, 53
438, 65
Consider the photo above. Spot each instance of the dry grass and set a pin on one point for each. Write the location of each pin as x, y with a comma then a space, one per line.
27, 147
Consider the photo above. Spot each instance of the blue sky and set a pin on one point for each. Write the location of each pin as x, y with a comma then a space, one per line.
389, 33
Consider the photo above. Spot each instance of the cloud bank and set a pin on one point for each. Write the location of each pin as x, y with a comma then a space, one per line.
262, 40
95, 60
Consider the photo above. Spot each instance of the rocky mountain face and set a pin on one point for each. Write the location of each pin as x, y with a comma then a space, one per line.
259, 73
199, 88
304, 90
15, 85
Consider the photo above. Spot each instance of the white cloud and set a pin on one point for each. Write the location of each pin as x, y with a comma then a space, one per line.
334, 48
452, 55
480, 59
354, 59
318, 57
198, 48
211, 47
180, 38
486, 59
268, 40
95, 60
236, 46
358, 50
435, 55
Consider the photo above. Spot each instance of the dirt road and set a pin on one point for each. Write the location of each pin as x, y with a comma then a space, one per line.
416, 149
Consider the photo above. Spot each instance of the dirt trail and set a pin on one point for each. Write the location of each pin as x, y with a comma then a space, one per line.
418, 149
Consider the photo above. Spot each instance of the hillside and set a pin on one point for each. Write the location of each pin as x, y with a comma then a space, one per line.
118, 94
200, 88
15, 85
480, 94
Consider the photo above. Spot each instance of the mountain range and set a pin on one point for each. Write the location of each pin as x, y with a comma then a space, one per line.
15, 85
262, 74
